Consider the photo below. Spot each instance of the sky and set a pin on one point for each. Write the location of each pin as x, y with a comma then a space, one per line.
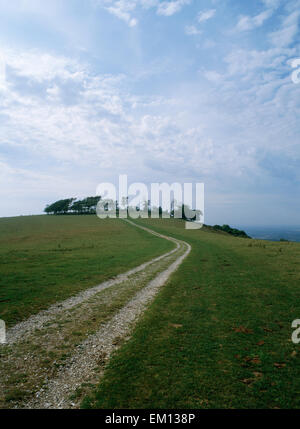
163, 91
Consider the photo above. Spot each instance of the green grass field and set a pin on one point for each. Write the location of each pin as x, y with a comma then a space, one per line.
217, 335
45, 259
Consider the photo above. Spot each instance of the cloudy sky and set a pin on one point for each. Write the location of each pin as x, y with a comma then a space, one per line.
178, 90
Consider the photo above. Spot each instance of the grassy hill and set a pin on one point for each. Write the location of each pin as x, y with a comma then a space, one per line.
218, 334
45, 259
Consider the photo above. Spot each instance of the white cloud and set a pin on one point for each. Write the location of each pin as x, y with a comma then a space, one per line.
288, 31
273, 4
246, 23
191, 30
248, 62
2, 72
42, 67
53, 92
206, 15
208, 44
123, 9
104, 128
212, 76
169, 8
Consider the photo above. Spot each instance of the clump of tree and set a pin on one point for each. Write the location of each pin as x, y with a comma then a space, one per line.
232, 231
89, 206
86, 206
73, 206
61, 207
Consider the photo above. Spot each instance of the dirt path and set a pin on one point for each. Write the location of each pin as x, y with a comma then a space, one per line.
88, 328
37, 321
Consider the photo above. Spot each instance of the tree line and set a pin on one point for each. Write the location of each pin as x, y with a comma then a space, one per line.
88, 206
73, 206
233, 231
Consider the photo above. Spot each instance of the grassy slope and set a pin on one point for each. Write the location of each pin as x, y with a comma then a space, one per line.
218, 334
47, 259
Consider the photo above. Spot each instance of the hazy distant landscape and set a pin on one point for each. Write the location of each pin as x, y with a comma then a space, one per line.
273, 233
